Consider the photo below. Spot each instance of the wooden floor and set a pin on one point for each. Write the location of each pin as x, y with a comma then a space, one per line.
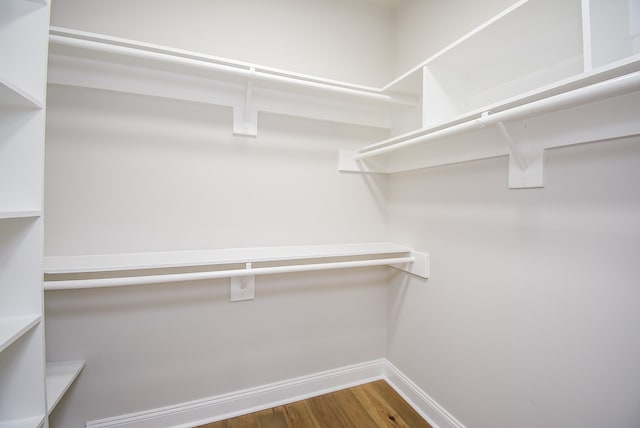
374, 404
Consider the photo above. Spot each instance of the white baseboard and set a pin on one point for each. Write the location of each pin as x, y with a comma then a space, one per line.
190, 414
428, 408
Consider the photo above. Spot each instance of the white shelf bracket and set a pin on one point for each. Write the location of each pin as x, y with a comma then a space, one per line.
243, 287
245, 116
420, 266
526, 162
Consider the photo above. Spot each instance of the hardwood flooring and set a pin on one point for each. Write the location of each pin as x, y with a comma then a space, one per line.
374, 405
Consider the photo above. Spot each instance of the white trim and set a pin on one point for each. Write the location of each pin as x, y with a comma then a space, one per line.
426, 406
224, 406
187, 415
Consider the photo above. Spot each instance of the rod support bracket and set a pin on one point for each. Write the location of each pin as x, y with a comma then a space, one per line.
420, 266
245, 115
243, 287
526, 160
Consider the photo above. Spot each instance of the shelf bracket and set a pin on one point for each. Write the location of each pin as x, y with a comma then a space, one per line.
245, 116
420, 266
526, 161
243, 287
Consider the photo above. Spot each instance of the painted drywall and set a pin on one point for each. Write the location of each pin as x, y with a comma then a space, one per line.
128, 173
135, 173
336, 39
422, 28
530, 317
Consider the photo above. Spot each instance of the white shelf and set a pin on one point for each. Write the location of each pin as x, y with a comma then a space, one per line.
97, 61
12, 328
159, 260
13, 96
532, 44
273, 260
20, 214
60, 376
517, 85
31, 422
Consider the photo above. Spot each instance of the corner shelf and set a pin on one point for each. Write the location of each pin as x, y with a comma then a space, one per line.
60, 376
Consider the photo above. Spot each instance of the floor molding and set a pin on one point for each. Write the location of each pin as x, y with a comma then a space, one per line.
428, 408
189, 414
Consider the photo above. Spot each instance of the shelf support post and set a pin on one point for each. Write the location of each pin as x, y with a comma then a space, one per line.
245, 116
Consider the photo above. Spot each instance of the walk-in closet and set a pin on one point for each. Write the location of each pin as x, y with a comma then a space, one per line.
210, 208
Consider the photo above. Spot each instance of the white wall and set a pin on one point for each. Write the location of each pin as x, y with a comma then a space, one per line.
422, 27
530, 317
337, 39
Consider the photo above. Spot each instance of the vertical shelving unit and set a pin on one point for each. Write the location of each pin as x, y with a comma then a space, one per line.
23, 49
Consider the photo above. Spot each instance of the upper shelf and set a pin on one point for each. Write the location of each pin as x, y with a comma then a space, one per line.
91, 60
522, 82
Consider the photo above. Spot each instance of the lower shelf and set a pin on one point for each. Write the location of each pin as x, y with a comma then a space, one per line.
20, 214
11, 329
32, 422
60, 376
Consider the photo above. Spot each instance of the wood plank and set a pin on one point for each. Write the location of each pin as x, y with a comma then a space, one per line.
374, 404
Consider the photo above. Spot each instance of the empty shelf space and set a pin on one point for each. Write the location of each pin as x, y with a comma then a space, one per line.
12, 328
60, 376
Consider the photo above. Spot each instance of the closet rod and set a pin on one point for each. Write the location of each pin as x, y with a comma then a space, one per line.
194, 276
598, 91
209, 64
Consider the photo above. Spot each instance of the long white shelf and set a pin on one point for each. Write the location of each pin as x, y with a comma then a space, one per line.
60, 376
170, 259
278, 260
611, 71
97, 61
12, 328
594, 106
